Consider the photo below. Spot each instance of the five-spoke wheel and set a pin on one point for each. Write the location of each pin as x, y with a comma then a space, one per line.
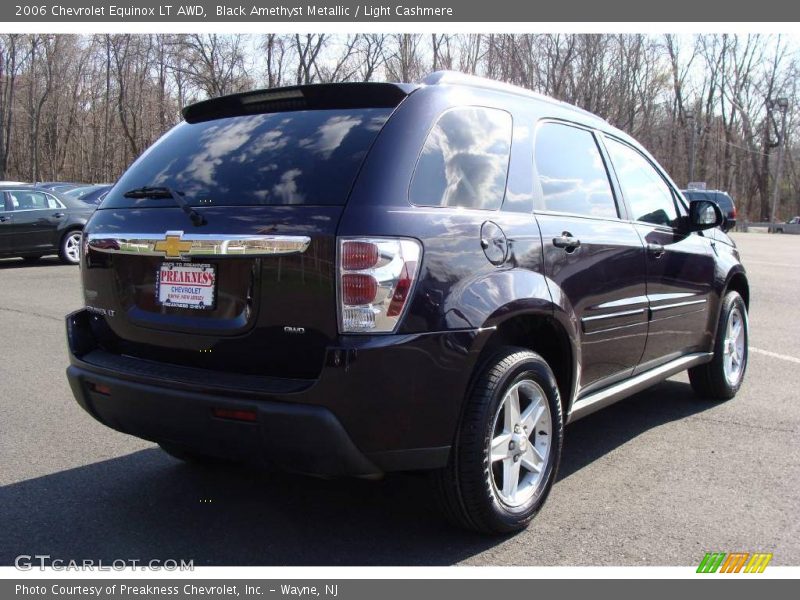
520, 445
508, 445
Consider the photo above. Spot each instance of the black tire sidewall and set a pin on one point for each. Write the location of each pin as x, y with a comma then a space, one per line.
732, 300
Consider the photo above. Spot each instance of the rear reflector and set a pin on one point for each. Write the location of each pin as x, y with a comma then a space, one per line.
234, 414
99, 388
401, 290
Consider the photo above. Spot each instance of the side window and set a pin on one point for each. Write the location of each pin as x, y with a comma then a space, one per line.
52, 202
464, 161
572, 174
25, 200
648, 195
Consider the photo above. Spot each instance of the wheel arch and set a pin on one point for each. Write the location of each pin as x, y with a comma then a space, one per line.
543, 331
70, 227
737, 281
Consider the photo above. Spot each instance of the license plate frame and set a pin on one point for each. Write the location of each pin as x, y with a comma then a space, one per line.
189, 289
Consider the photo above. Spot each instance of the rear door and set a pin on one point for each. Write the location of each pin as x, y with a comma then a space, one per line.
594, 260
252, 290
6, 221
680, 265
36, 219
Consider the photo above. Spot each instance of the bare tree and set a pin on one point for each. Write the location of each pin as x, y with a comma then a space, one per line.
8, 78
214, 63
83, 107
308, 48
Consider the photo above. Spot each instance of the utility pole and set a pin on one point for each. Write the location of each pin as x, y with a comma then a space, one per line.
692, 141
783, 105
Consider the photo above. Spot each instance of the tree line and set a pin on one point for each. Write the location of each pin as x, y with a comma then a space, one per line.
83, 107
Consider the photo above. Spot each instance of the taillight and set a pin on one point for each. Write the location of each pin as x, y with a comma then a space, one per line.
376, 279
359, 255
358, 289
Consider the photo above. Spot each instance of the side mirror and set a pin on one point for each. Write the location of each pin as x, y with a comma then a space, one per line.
704, 214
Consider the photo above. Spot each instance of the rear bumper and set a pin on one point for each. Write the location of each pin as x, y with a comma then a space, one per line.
381, 403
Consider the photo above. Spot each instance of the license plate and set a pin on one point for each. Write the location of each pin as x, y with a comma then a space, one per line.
186, 285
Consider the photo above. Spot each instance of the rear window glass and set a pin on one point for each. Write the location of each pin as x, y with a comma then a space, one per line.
464, 161
303, 157
724, 200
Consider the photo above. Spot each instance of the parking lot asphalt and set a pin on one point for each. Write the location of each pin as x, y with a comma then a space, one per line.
658, 479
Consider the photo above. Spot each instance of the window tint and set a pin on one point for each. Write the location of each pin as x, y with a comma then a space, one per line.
301, 157
725, 202
571, 172
24, 200
464, 161
648, 195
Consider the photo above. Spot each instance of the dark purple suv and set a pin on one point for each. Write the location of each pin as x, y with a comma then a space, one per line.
352, 279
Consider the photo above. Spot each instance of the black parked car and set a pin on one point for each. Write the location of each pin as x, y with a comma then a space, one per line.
351, 279
90, 194
722, 199
59, 186
36, 222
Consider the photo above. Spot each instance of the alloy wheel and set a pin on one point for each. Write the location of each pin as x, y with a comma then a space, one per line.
520, 444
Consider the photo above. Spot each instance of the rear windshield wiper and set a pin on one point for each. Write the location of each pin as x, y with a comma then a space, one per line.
167, 192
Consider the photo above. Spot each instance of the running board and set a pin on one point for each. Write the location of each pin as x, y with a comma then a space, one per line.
610, 395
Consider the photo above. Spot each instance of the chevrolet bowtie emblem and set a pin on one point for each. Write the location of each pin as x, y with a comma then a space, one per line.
172, 246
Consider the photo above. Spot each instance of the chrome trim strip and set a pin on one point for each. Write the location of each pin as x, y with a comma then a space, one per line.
628, 387
623, 313
678, 304
180, 245
623, 302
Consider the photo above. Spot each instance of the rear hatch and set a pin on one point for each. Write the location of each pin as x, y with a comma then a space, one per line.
217, 248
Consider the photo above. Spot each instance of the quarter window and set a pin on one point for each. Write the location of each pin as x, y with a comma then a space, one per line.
646, 192
464, 161
572, 175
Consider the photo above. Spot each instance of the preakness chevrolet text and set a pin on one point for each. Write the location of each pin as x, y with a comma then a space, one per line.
351, 279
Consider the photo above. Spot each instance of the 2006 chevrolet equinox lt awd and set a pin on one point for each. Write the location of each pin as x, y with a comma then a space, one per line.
352, 279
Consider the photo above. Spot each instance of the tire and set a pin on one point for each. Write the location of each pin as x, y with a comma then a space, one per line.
721, 378
189, 456
472, 488
70, 249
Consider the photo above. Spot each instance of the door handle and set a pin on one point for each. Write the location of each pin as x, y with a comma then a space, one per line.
657, 250
58, 215
567, 242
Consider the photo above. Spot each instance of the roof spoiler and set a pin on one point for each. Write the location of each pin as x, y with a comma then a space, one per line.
300, 97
